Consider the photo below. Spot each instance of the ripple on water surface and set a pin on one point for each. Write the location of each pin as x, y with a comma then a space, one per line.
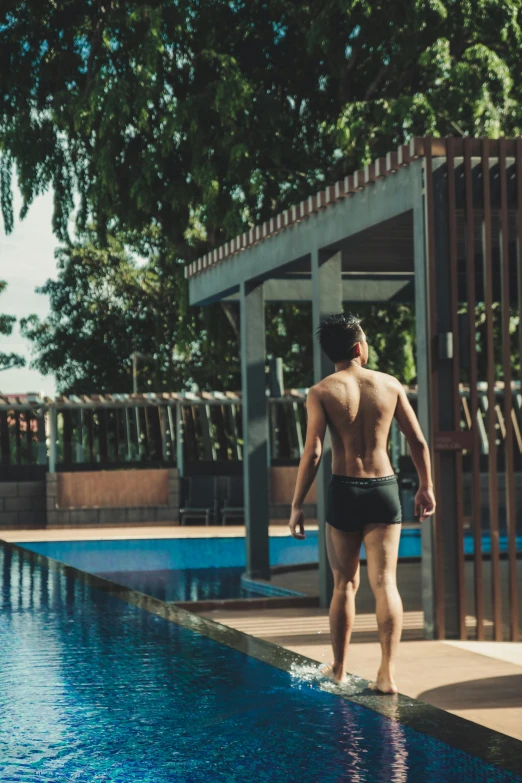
94, 689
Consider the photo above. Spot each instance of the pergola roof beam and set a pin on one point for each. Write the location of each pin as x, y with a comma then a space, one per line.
379, 288
387, 198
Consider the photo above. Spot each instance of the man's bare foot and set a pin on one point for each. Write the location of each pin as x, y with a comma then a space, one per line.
383, 684
332, 673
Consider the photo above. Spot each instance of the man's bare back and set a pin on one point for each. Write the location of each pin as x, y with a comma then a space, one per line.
360, 405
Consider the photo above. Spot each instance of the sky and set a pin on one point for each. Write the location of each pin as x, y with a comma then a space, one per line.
26, 261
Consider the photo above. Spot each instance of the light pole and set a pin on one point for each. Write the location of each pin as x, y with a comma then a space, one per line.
135, 356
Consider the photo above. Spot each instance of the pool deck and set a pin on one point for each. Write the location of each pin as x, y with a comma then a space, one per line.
277, 528
480, 681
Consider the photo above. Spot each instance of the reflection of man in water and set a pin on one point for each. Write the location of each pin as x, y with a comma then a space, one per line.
358, 406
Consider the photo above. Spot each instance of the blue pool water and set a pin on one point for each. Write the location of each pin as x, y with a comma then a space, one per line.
96, 689
198, 569
171, 553
186, 584
186, 553
177, 569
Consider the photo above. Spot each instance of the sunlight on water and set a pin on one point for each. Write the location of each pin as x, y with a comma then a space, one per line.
311, 673
352, 738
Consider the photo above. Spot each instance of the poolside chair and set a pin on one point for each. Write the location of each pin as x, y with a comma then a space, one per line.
221, 495
200, 501
234, 505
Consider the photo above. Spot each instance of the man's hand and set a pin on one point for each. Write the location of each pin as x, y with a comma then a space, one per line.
424, 503
296, 523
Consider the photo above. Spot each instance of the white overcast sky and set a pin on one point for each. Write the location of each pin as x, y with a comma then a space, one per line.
26, 261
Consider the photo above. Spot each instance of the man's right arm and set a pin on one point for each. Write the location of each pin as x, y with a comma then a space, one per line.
420, 453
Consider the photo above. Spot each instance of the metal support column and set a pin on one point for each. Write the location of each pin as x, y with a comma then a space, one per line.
79, 436
437, 371
326, 300
53, 436
179, 439
128, 433
448, 519
255, 429
42, 445
423, 361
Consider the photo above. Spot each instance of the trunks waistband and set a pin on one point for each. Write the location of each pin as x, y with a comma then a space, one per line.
359, 481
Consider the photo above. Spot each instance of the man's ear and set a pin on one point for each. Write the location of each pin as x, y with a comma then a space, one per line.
357, 349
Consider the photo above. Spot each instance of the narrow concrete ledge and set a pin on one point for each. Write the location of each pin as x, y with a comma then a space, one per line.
264, 587
288, 602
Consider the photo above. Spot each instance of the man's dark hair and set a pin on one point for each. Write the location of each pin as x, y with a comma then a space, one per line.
338, 334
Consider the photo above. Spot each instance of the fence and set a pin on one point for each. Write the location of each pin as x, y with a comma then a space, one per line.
160, 429
171, 429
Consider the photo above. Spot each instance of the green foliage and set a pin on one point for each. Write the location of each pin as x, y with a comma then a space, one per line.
181, 124
8, 360
215, 114
104, 306
390, 331
481, 341
389, 327
289, 334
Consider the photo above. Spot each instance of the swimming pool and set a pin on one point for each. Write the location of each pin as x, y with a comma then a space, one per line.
178, 569
200, 569
149, 554
98, 683
152, 554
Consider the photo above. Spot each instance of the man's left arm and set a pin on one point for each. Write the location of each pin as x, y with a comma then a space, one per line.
309, 463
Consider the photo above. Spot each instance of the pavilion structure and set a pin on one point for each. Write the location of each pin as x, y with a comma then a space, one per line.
436, 222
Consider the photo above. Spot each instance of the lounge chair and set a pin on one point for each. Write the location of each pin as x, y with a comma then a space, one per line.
200, 502
234, 505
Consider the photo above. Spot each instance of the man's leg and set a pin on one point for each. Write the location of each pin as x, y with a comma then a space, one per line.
381, 543
343, 555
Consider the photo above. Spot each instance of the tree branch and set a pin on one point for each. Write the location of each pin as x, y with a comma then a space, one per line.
345, 92
374, 86
231, 315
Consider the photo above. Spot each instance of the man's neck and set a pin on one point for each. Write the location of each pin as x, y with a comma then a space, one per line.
346, 364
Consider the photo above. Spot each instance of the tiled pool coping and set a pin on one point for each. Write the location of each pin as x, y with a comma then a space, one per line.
263, 587
478, 741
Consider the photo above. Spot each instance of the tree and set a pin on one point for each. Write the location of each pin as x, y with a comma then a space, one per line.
8, 361
181, 124
185, 122
104, 306
391, 338
172, 115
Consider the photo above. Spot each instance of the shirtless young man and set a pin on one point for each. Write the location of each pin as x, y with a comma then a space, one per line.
358, 406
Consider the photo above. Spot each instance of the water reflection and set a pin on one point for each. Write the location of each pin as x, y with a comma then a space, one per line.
186, 584
383, 753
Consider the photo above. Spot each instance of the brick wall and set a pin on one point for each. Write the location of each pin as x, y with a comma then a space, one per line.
58, 517
113, 488
22, 504
282, 485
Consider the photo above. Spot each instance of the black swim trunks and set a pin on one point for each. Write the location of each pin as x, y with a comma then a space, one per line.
354, 502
